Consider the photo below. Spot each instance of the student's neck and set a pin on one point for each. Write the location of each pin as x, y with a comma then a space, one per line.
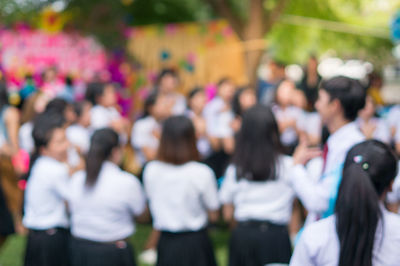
337, 123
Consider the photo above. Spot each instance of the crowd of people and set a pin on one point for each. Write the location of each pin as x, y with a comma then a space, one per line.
303, 174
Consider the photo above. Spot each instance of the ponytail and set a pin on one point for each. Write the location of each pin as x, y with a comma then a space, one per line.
102, 143
357, 216
368, 171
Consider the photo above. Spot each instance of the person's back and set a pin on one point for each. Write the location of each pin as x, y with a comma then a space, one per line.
182, 192
104, 203
319, 243
108, 208
182, 196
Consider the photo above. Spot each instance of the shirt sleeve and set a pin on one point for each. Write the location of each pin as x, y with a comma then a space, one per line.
227, 190
314, 195
210, 194
140, 136
137, 199
61, 183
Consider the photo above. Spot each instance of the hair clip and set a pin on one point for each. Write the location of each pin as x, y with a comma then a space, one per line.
357, 159
365, 166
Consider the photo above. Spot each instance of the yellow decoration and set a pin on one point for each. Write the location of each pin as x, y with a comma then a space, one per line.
51, 21
14, 99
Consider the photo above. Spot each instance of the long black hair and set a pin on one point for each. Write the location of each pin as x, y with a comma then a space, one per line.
43, 128
102, 143
258, 146
368, 170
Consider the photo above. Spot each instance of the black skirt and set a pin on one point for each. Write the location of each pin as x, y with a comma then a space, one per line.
257, 243
48, 248
184, 249
6, 220
90, 253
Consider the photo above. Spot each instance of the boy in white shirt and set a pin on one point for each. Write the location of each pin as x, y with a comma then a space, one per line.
339, 101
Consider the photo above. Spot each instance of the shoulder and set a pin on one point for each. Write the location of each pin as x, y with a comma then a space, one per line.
317, 234
286, 161
78, 178
128, 180
198, 171
47, 167
11, 114
144, 122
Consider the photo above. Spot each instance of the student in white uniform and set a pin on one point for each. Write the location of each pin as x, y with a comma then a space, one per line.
182, 196
219, 116
78, 134
167, 84
104, 202
196, 102
361, 232
339, 101
45, 195
104, 114
244, 99
371, 126
256, 193
287, 114
146, 131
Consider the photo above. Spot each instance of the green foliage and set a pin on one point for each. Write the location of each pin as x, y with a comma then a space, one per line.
291, 43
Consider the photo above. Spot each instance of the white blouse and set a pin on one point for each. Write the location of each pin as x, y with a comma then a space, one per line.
45, 195
143, 136
180, 195
319, 243
106, 211
79, 136
101, 117
264, 200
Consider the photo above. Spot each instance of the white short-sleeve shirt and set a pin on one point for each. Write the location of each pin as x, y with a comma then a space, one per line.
101, 117
142, 135
289, 136
264, 200
218, 121
105, 212
79, 136
180, 195
319, 243
45, 195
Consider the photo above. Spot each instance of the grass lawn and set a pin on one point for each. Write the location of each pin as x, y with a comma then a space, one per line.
12, 253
